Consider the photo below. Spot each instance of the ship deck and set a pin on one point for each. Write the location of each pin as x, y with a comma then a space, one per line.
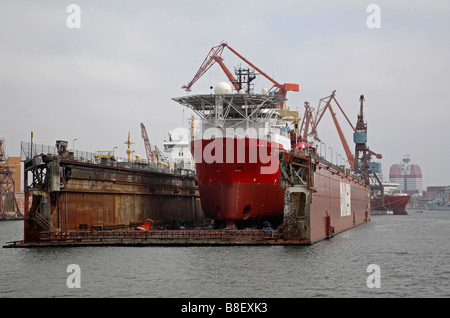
208, 101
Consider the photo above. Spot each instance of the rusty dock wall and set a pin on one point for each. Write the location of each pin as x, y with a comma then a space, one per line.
69, 195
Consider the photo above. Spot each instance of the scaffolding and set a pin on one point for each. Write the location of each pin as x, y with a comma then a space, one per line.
8, 202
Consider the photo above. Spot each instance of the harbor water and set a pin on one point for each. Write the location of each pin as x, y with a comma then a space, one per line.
411, 253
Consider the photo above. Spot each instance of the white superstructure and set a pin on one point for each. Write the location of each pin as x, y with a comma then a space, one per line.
177, 147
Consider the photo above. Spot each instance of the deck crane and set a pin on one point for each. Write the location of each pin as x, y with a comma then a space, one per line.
153, 156
215, 55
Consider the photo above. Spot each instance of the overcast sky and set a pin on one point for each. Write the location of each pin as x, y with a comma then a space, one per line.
129, 58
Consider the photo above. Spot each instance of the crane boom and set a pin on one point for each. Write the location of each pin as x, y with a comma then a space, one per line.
148, 148
206, 65
319, 116
214, 55
282, 87
230, 76
153, 156
209, 61
348, 152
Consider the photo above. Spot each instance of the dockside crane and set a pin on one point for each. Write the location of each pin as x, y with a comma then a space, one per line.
215, 55
148, 148
324, 104
153, 156
362, 152
359, 161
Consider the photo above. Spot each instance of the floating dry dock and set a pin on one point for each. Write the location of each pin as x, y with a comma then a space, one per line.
98, 205
70, 194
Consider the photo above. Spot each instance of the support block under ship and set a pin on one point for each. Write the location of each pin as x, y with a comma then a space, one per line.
251, 169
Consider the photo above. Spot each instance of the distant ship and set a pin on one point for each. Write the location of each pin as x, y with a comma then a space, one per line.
440, 204
392, 201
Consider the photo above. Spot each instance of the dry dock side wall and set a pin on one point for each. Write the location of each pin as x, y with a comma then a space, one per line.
321, 199
69, 195
338, 203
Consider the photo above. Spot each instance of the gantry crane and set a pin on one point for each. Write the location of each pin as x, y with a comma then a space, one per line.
215, 55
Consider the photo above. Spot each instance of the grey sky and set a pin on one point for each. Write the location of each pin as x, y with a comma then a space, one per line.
130, 58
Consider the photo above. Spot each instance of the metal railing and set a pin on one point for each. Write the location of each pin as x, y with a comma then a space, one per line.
157, 235
28, 151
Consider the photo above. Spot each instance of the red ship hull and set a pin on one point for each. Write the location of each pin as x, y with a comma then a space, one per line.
391, 202
238, 187
233, 191
241, 201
